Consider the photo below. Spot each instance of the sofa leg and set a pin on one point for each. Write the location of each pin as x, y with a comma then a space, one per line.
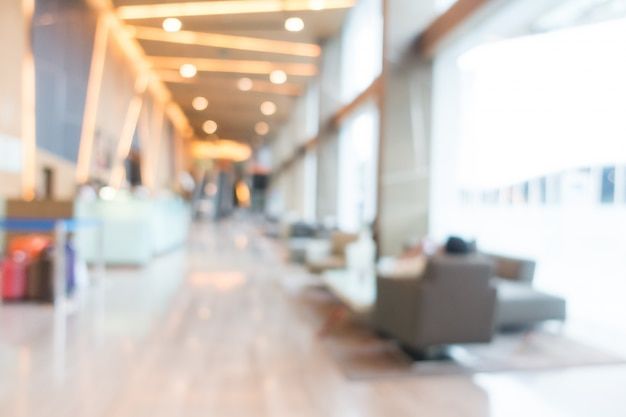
432, 353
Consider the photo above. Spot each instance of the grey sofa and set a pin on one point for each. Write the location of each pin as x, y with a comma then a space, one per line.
453, 302
519, 304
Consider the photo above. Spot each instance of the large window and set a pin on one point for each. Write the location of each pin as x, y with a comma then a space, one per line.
362, 48
310, 186
529, 157
443, 5
358, 150
543, 103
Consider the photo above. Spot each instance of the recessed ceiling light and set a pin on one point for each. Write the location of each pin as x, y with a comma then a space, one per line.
262, 128
172, 24
278, 77
200, 103
209, 127
268, 108
188, 70
294, 24
317, 4
244, 84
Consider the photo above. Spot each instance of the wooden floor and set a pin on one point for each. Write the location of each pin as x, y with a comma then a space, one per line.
216, 330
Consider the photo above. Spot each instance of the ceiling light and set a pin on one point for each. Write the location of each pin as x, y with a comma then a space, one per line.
217, 7
171, 24
209, 127
188, 70
244, 84
262, 128
294, 24
220, 149
317, 4
278, 77
200, 103
268, 108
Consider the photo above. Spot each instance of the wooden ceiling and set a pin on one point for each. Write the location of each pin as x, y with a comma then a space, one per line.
223, 60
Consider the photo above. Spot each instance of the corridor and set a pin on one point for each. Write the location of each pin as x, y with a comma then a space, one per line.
224, 328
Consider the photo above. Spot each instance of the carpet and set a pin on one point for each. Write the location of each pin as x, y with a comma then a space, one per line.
366, 356
361, 354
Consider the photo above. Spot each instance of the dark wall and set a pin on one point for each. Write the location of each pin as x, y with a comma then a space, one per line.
62, 42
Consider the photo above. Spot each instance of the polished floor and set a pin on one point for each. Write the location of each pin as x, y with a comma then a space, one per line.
216, 330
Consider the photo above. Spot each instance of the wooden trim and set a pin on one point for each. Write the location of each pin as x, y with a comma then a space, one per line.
158, 127
96, 72
444, 25
340, 116
369, 93
128, 131
298, 153
125, 142
118, 33
28, 109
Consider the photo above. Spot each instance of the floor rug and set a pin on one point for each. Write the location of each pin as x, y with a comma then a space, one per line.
360, 353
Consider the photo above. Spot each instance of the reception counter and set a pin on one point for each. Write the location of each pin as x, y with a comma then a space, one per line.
134, 230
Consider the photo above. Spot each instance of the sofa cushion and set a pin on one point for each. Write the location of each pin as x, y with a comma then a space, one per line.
521, 305
513, 269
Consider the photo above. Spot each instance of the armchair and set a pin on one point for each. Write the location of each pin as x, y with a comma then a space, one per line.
452, 302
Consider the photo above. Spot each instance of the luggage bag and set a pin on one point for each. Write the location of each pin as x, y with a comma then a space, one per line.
13, 274
41, 278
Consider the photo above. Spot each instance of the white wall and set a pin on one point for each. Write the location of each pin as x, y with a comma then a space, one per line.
12, 49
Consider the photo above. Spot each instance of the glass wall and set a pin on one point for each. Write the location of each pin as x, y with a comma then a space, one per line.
310, 185
358, 156
443, 5
362, 48
361, 63
535, 165
351, 63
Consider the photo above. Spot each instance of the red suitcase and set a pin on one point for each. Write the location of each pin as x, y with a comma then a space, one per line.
31, 245
13, 270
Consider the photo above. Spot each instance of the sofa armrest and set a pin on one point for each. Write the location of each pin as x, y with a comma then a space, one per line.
395, 311
514, 269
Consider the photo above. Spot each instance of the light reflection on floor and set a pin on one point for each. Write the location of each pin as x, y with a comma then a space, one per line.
214, 331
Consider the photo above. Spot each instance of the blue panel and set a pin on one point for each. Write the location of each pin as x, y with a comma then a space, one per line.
62, 42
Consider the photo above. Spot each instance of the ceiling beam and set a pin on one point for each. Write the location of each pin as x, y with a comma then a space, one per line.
94, 85
228, 84
235, 66
229, 7
135, 54
218, 40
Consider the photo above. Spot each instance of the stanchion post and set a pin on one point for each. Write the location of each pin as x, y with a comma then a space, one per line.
60, 264
100, 262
